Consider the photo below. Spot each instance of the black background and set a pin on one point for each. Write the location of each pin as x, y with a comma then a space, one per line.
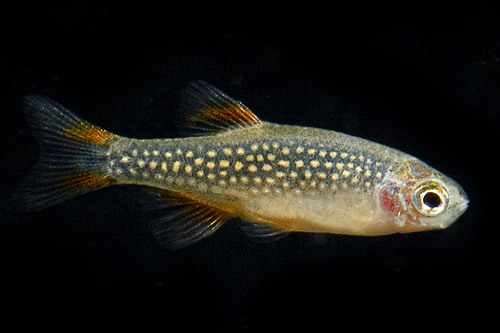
423, 78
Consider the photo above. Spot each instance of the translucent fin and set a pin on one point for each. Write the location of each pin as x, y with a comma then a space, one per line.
208, 110
187, 222
263, 233
72, 156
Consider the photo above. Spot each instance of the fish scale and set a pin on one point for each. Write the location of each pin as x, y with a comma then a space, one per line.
276, 178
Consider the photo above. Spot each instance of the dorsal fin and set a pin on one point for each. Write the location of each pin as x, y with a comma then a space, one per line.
208, 110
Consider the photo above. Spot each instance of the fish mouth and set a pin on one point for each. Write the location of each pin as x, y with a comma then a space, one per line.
459, 209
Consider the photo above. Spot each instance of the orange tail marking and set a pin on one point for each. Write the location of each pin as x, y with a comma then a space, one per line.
85, 181
90, 134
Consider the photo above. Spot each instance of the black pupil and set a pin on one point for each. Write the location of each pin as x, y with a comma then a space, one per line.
432, 200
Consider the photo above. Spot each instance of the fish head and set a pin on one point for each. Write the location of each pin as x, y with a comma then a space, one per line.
416, 197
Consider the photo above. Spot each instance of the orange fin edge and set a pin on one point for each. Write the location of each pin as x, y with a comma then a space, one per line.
208, 110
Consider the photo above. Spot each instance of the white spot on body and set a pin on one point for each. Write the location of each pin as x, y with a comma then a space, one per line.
176, 166
252, 168
189, 154
125, 159
210, 165
266, 167
198, 161
141, 163
238, 166
284, 164
152, 165
269, 181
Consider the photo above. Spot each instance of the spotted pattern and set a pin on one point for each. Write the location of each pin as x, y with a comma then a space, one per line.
258, 167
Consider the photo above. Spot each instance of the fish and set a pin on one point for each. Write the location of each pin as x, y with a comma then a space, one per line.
274, 178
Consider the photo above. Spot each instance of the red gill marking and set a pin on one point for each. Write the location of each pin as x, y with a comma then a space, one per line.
389, 198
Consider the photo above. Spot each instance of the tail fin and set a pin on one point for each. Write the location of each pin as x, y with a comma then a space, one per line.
72, 156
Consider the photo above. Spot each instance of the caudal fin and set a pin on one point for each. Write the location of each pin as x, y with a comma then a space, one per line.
72, 156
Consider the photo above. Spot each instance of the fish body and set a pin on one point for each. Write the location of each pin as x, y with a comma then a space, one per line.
278, 178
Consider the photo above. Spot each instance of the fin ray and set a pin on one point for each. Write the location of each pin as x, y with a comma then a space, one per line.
208, 110
187, 221
262, 233
72, 156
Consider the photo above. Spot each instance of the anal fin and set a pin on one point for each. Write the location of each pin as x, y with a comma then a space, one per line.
187, 220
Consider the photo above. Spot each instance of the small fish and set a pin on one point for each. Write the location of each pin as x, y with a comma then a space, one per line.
277, 178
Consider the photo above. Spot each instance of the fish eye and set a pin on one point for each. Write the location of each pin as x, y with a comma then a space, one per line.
430, 198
